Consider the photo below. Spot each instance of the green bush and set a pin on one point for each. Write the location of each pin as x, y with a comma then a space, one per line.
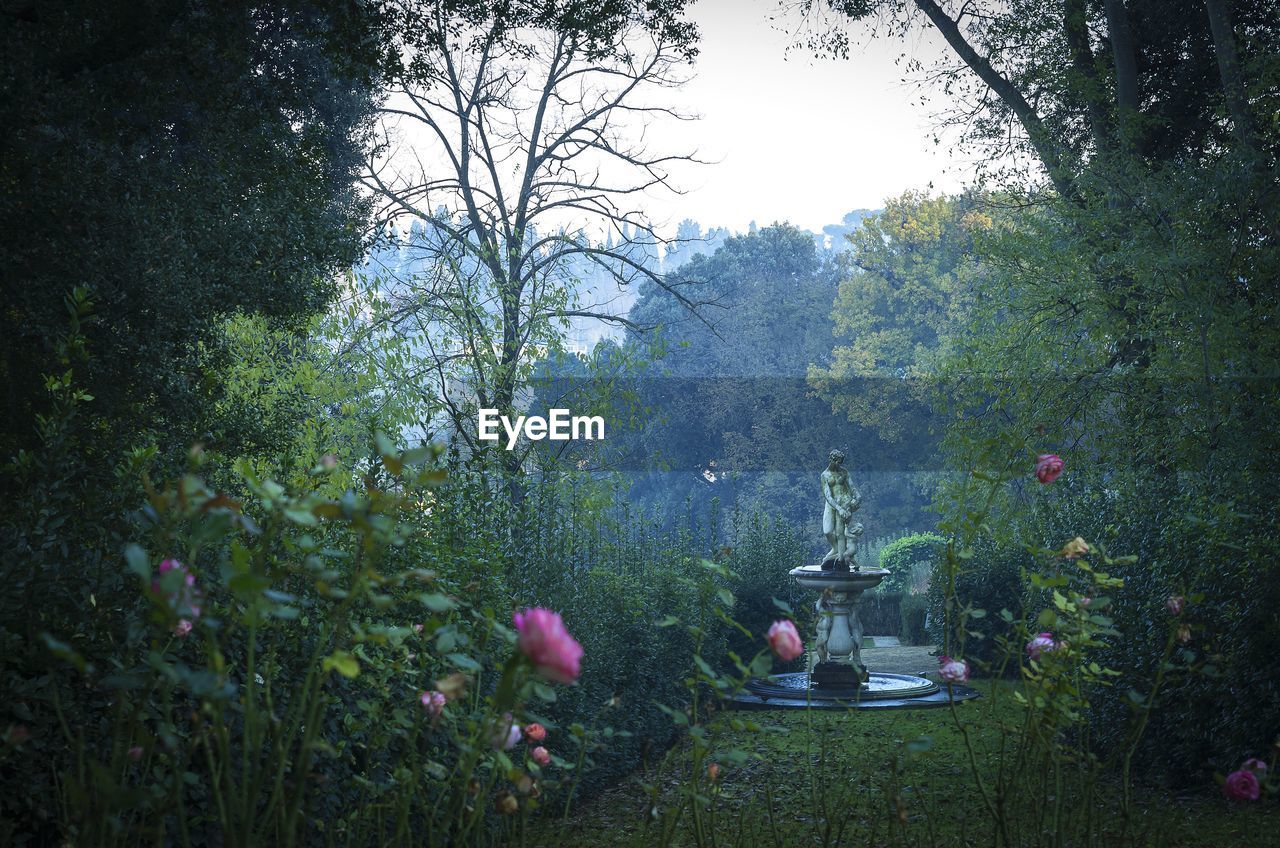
990, 580
913, 609
902, 557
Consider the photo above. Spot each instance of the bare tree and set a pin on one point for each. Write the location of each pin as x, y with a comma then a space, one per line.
519, 153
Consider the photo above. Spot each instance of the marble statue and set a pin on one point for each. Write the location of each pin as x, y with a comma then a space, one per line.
841, 500
823, 609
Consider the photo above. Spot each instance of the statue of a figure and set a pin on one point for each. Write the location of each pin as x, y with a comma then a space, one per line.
841, 500
823, 609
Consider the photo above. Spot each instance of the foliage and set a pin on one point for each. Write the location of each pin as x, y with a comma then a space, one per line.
904, 557
909, 276
914, 610
198, 162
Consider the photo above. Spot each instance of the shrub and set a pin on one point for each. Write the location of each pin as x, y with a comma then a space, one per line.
913, 609
905, 557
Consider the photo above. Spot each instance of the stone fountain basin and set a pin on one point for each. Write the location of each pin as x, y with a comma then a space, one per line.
813, 577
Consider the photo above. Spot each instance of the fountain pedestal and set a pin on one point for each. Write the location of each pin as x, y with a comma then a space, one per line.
838, 645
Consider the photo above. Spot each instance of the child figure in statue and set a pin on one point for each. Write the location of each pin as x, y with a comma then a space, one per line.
819, 652
841, 501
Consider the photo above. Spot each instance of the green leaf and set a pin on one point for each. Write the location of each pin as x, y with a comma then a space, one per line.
463, 661
436, 602
343, 663
139, 562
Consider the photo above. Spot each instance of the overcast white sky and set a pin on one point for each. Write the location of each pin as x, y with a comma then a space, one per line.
797, 138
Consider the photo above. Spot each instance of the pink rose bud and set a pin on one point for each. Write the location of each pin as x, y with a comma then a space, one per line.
1184, 634
785, 641
541, 756
545, 641
1041, 643
433, 702
1242, 786
182, 629
713, 772
535, 732
135, 753
1255, 765
1084, 602
953, 671
1175, 604
1048, 467
417, 628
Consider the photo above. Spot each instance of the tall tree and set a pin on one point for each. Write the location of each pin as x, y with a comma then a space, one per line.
184, 162
514, 146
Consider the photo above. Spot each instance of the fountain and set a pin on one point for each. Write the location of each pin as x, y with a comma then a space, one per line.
837, 677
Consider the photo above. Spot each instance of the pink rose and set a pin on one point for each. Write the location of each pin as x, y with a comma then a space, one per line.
182, 629
185, 601
544, 640
541, 756
535, 732
1048, 467
1175, 604
953, 671
433, 702
1084, 602
1255, 765
1037, 646
785, 641
417, 628
1242, 786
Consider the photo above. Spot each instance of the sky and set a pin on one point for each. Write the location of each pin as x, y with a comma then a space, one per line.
793, 137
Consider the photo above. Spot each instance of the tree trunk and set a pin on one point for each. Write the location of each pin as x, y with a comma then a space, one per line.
1224, 45
1126, 67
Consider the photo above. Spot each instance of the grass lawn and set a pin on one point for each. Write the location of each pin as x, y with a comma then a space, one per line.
827, 779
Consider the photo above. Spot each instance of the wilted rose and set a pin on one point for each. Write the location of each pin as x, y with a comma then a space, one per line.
452, 687
1077, 547
1048, 467
953, 671
505, 803
1255, 765
1242, 785
785, 641
544, 640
